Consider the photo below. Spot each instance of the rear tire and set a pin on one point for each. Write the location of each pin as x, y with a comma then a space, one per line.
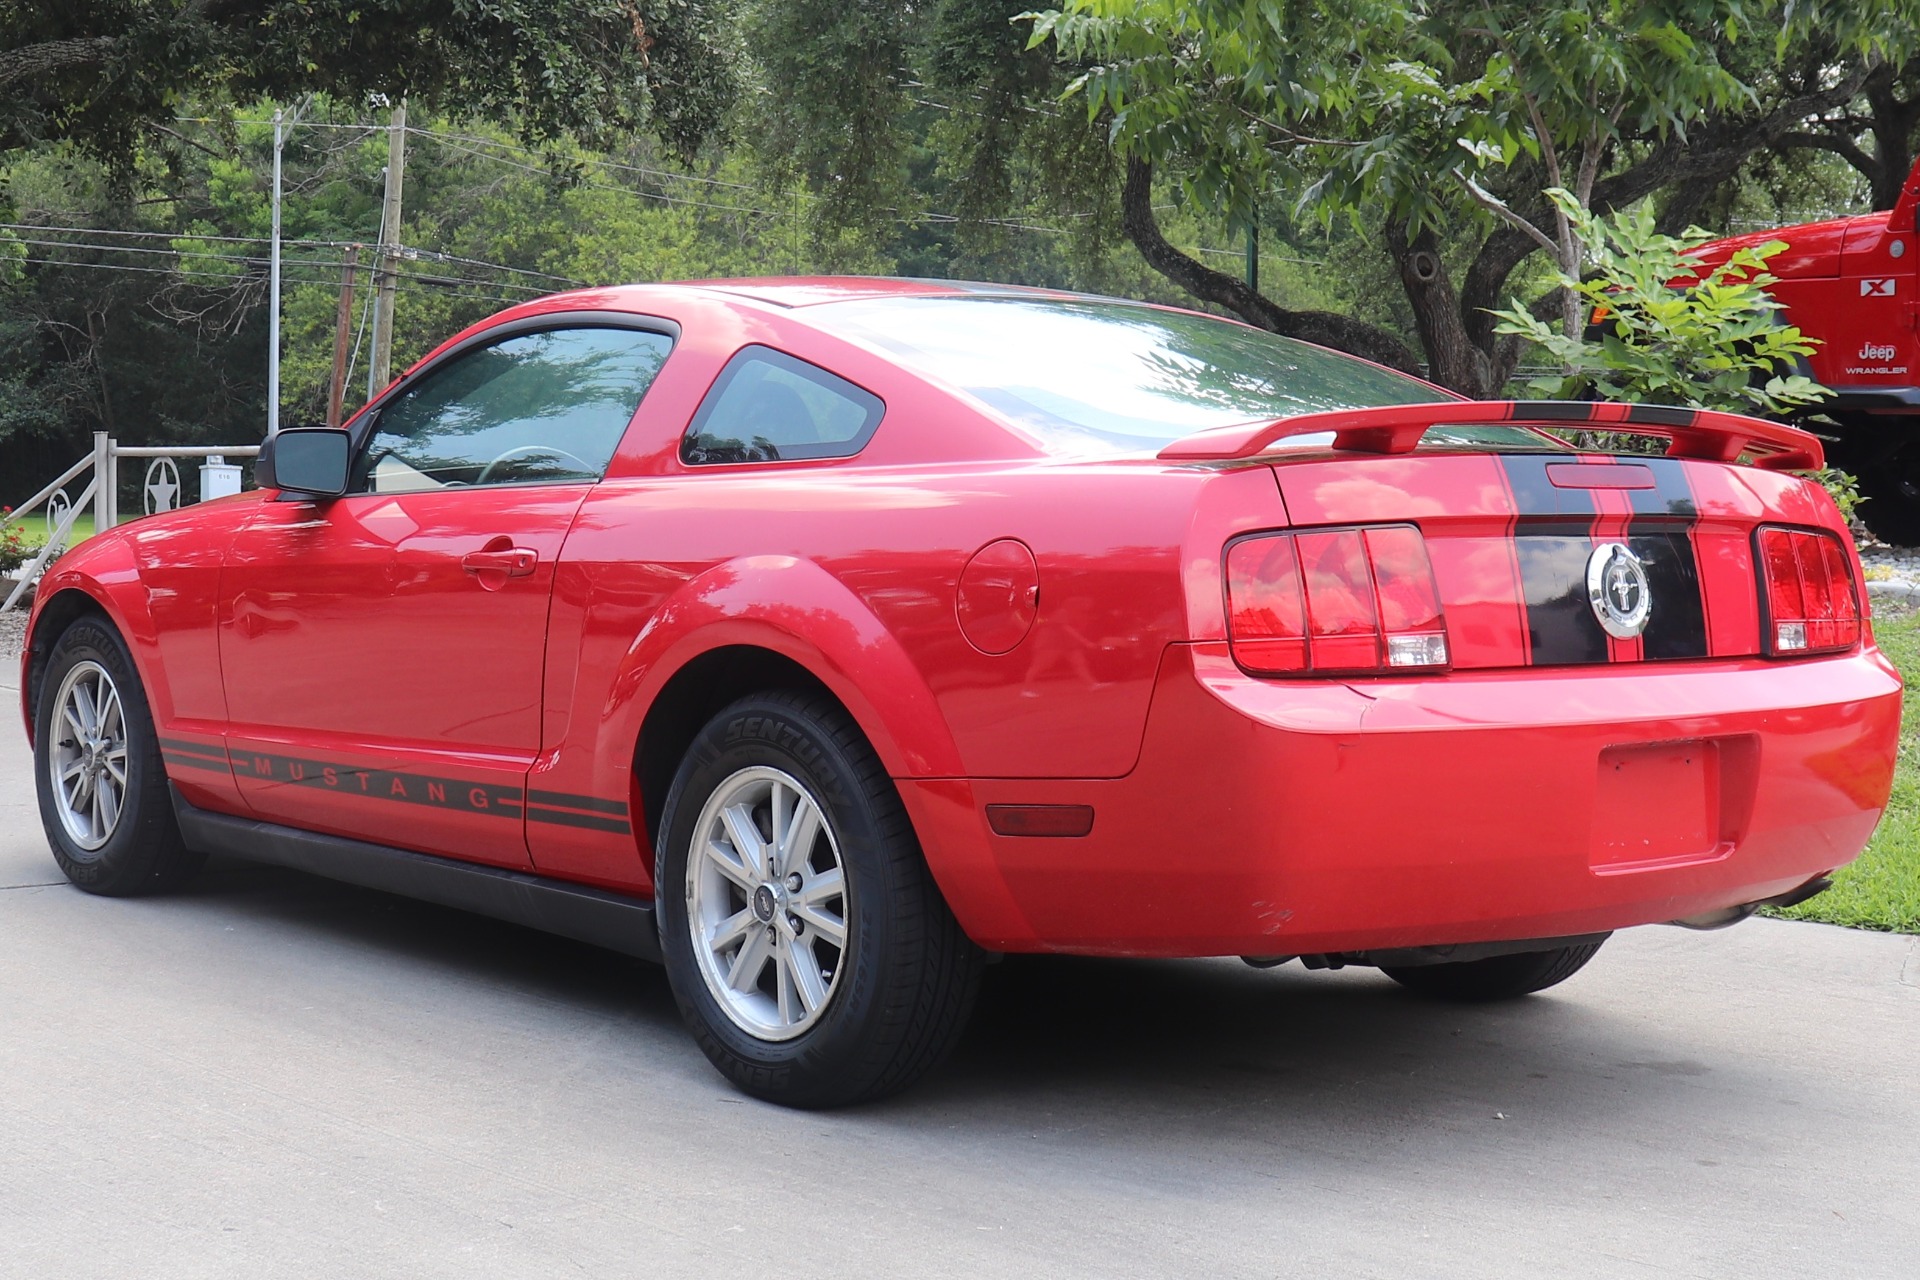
97, 768
1497, 977
808, 947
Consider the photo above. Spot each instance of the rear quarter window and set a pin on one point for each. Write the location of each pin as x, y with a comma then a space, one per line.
768, 406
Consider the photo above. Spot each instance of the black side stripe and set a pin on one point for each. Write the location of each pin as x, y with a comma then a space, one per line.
564, 818
186, 761
567, 800
461, 796
182, 747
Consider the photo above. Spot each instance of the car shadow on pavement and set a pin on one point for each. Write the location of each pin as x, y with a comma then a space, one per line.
1210, 1048
1123, 1048
593, 980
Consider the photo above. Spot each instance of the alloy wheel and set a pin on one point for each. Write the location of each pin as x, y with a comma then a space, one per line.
767, 903
89, 755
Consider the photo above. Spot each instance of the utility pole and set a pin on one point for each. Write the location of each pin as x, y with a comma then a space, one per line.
1253, 255
342, 336
281, 123
273, 288
380, 369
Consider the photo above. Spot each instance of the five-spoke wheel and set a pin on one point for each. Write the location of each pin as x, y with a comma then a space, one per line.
767, 901
89, 755
97, 767
809, 949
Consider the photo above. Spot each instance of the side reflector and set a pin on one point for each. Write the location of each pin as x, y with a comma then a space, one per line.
1807, 585
1337, 600
1040, 819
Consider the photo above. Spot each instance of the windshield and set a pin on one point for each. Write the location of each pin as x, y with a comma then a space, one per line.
1096, 376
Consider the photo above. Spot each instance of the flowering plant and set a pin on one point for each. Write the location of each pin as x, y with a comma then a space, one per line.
14, 549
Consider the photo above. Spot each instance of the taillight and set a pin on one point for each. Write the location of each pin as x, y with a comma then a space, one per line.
1336, 600
1806, 582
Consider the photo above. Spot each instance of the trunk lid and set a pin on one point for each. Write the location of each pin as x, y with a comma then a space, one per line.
1512, 536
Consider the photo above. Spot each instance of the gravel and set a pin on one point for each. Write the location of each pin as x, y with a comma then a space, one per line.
13, 630
1892, 572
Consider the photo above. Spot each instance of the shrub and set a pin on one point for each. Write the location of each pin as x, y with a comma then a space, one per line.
1667, 332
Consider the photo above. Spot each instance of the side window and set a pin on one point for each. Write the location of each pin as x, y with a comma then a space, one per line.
767, 406
547, 407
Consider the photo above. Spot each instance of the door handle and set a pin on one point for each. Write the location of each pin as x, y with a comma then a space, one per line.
514, 562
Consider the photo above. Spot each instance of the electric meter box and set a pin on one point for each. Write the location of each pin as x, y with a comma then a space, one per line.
218, 479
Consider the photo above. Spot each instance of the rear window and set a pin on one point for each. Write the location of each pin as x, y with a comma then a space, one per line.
766, 406
1098, 376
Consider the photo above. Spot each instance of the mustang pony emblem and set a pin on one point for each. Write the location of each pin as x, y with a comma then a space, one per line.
1617, 589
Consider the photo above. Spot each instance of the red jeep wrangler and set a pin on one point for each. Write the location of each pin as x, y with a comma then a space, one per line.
1854, 284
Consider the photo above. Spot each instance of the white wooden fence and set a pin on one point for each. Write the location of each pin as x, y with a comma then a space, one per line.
161, 490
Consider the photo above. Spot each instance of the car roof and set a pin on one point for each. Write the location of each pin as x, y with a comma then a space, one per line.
808, 291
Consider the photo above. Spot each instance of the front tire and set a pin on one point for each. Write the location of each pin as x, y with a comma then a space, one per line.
808, 947
97, 768
1497, 977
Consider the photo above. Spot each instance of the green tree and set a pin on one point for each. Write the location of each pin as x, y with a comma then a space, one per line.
111, 74
1445, 125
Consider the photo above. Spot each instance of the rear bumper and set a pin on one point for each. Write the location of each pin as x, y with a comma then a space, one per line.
1270, 817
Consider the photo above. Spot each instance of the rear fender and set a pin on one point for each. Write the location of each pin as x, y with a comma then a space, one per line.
794, 608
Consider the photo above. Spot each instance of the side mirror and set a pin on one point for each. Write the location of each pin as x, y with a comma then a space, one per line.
309, 460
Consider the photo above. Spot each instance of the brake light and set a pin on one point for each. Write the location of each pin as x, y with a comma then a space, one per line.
1807, 583
1339, 600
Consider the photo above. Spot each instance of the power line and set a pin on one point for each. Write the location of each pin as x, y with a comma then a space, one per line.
451, 140
600, 161
434, 254
304, 124
463, 286
604, 186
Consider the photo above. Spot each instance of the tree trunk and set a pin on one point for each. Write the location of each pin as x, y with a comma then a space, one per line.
1891, 124
1455, 362
1342, 333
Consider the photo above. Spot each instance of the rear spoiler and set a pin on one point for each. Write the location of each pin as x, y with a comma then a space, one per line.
1397, 428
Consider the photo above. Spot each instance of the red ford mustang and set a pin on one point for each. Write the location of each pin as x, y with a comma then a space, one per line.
823, 637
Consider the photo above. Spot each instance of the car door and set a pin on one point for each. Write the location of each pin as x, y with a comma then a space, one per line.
636, 542
383, 650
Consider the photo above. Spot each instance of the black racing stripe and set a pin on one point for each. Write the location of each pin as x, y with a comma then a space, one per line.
1661, 415
1553, 411
1553, 537
1560, 623
1660, 533
458, 795
567, 800
1677, 624
1541, 506
561, 817
1671, 495
185, 761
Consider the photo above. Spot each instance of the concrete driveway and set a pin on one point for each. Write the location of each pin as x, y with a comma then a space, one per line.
277, 1076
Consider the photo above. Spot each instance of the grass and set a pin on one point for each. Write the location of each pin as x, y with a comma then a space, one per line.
1881, 890
34, 527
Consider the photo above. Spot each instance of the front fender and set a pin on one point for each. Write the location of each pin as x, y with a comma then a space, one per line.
794, 608
104, 571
